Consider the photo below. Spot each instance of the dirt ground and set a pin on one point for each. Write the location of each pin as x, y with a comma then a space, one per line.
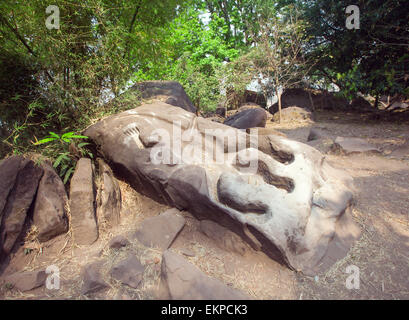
381, 254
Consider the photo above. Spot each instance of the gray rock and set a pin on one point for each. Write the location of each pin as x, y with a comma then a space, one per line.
324, 145
170, 92
92, 278
160, 231
129, 272
109, 196
316, 134
223, 237
181, 280
281, 204
50, 216
82, 204
118, 242
9, 168
349, 146
19, 201
250, 118
26, 281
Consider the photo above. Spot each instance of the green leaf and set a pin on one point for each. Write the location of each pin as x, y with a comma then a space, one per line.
44, 141
67, 175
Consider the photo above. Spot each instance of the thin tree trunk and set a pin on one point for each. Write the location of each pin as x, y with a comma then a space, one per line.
279, 106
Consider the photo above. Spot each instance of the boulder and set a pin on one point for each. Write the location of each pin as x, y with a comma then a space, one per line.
248, 106
160, 231
181, 280
315, 134
293, 114
82, 204
246, 119
26, 281
280, 196
19, 201
92, 278
129, 272
170, 92
347, 146
302, 98
118, 242
50, 209
220, 111
109, 196
360, 104
224, 238
254, 97
9, 168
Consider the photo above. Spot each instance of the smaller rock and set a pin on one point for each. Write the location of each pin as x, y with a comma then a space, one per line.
129, 272
187, 252
82, 204
322, 145
315, 134
360, 104
92, 278
50, 215
291, 114
26, 281
109, 196
251, 118
181, 280
224, 238
160, 231
220, 111
349, 146
118, 242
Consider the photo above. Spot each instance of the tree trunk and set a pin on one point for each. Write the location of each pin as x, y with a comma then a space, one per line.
279, 106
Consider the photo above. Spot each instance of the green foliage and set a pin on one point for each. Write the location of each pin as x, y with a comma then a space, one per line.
58, 147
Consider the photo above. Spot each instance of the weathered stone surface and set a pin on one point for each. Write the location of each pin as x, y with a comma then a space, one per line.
224, 238
349, 146
286, 202
26, 281
250, 105
8, 172
82, 204
181, 280
92, 278
109, 196
19, 201
118, 242
250, 118
129, 272
323, 145
291, 114
170, 92
50, 216
160, 231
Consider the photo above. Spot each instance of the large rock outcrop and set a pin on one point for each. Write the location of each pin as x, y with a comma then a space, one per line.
170, 92
279, 195
19, 178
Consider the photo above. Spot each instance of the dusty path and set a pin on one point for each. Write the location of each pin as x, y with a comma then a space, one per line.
382, 253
